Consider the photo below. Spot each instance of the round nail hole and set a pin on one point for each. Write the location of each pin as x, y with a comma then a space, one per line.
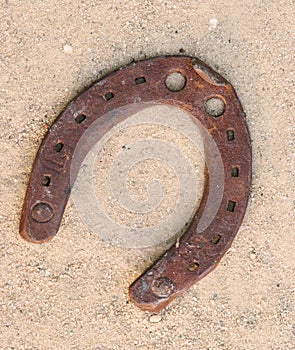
162, 287
175, 81
42, 212
215, 107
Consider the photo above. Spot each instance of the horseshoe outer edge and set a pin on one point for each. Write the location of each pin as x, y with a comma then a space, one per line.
196, 253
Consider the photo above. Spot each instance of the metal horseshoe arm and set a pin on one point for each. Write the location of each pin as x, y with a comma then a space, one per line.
198, 251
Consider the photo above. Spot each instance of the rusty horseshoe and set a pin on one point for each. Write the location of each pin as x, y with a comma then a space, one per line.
200, 248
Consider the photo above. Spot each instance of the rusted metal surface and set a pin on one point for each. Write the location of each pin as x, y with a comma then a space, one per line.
198, 252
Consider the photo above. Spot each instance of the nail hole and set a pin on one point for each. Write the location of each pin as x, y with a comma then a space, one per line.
215, 107
216, 238
46, 179
175, 81
230, 135
231, 206
108, 96
162, 287
235, 171
58, 147
80, 118
140, 80
193, 267
42, 212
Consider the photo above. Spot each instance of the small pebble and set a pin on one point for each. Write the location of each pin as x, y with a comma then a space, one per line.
252, 256
68, 48
213, 23
155, 318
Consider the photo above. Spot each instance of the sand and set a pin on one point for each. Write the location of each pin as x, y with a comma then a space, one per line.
71, 293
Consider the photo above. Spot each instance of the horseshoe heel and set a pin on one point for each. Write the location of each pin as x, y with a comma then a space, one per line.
227, 156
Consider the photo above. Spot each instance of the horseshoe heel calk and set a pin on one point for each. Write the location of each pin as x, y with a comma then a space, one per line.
227, 157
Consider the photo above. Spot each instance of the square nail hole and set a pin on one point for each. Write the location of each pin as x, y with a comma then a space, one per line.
108, 96
230, 135
80, 119
140, 80
235, 171
216, 238
231, 206
46, 179
58, 147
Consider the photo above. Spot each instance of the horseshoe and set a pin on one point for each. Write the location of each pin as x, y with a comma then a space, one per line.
200, 248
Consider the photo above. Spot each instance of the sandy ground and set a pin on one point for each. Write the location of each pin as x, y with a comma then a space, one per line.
71, 293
